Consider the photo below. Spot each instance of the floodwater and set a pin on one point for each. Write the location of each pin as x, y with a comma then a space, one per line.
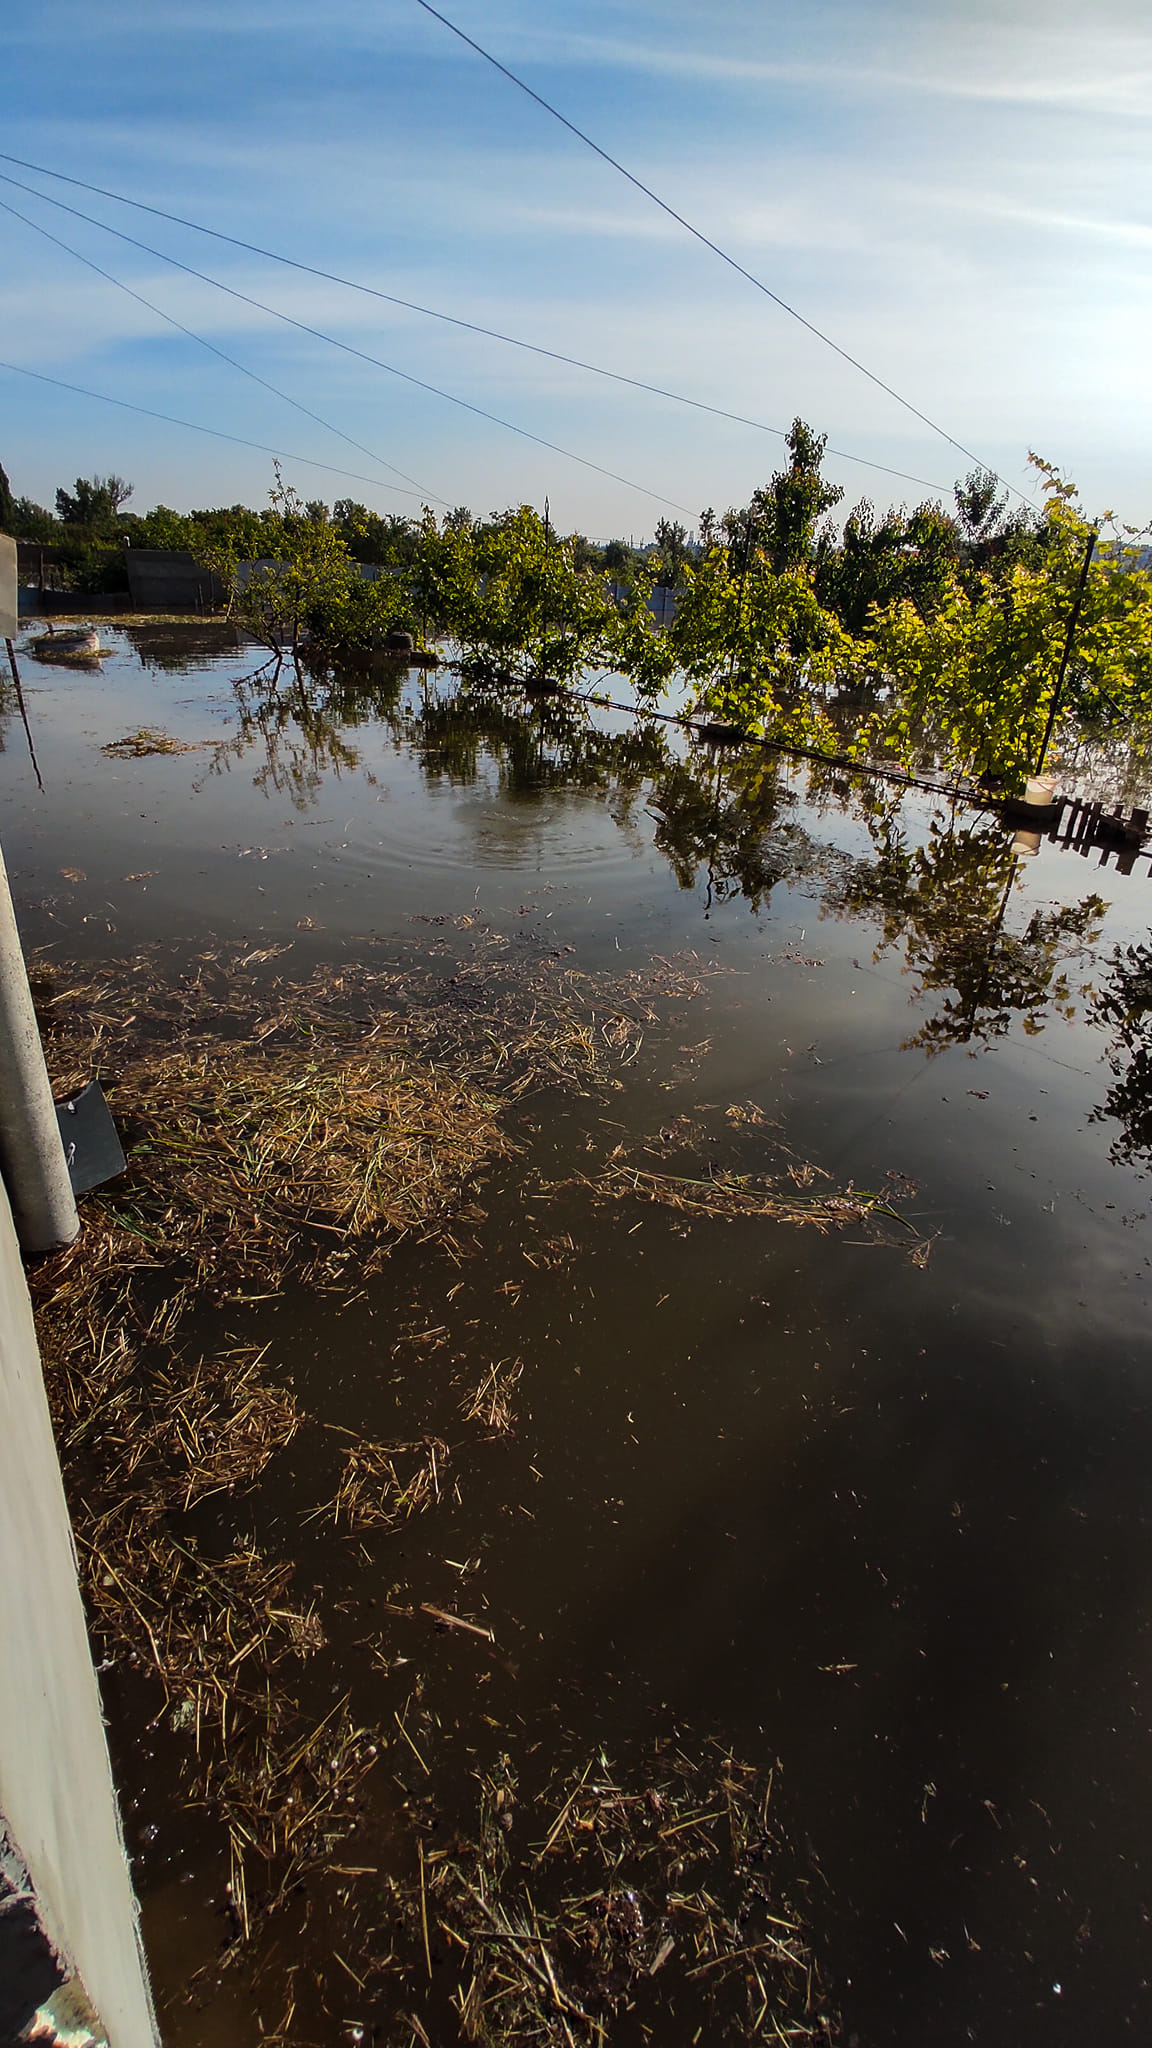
882, 1523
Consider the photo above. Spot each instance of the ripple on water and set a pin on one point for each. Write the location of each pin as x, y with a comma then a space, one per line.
553, 832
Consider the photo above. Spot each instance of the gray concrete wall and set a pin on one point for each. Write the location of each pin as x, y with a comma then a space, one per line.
163, 579
57, 1801
9, 600
369, 573
661, 603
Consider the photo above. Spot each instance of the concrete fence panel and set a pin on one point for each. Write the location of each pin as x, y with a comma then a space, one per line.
9, 597
163, 579
59, 1820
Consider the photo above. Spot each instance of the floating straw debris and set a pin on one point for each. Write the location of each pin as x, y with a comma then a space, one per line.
302, 1130
665, 1872
139, 744
790, 1193
490, 1403
385, 1484
728, 1195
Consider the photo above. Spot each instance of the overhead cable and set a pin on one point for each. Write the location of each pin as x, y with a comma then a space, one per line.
203, 342
699, 235
217, 433
362, 355
427, 312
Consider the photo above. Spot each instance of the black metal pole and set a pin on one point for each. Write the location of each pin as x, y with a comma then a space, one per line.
24, 712
544, 600
1070, 635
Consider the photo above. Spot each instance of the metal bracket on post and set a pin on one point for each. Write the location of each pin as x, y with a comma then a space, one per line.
93, 1153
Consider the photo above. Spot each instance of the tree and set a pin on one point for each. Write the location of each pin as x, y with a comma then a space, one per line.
758, 643
619, 559
585, 553
991, 537
882, 560
21, 517
94, 502
971, 686
304, 572
384, 541
979, 507
31, 521
784, 516
672, 552
510, 592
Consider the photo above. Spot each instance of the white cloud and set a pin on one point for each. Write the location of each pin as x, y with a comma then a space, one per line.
952, 192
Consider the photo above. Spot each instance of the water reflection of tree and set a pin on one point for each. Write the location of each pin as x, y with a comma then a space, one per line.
1124, 1006
552, 748
947, 902
730, 819
176, 647
298, 722
1109, 765
727, 820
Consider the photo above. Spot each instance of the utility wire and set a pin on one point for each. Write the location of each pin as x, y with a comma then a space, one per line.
377, 362
427, 312
708, 243
217, 433
418, 487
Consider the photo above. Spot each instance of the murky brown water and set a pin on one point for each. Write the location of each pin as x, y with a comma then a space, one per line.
887, 1525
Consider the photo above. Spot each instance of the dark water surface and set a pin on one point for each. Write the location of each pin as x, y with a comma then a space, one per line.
885, 1524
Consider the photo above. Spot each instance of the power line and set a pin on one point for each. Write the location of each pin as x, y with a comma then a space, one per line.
346, 347
217, 433
418, 487
708, 243
427, 312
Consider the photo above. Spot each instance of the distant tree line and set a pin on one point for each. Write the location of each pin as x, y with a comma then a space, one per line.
930, 634
876, 559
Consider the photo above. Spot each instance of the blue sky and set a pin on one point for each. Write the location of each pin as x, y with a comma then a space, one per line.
957, 191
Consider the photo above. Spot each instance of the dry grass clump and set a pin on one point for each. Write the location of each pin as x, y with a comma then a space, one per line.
283, 1139
249, 1164
263, 1158
287, 1142
217, 1420
384, 1484
136, 745
301, 1130
490, 1402
794, 1191
566, 1909
727, 1194
144, 1435
288, 1802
